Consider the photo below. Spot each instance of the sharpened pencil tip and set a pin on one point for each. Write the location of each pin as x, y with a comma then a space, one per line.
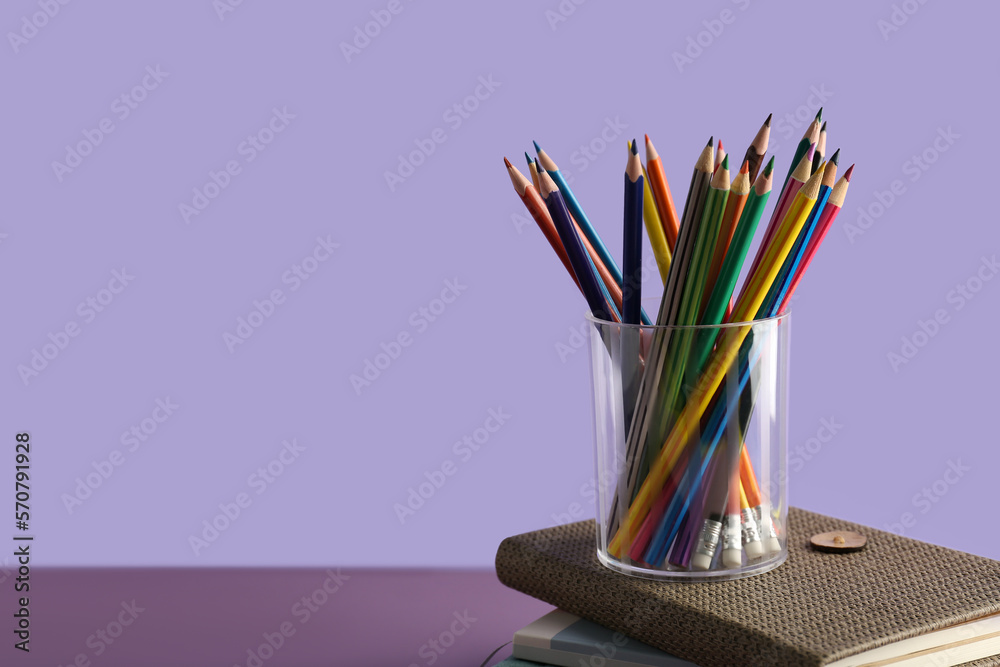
725, 163
847, 174
767, 123
835, 158
711, 140
745, 169
634, 147
507, 162
822, 128
538, 149
770, 167
528, 158
819, 115
720, 145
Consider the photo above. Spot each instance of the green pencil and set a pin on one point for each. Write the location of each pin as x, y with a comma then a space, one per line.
733, 262
809, 138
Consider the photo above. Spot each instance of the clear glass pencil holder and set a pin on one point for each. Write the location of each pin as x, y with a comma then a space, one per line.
691, 430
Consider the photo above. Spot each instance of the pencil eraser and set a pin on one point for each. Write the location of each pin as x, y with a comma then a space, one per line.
701, 561
773, 545
754, 549
732, 557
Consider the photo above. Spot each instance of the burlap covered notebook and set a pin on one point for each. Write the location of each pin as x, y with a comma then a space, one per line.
814, 609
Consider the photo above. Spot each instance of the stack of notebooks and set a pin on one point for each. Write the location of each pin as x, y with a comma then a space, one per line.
896, 603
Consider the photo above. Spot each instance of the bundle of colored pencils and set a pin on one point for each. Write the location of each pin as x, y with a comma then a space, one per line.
675, 408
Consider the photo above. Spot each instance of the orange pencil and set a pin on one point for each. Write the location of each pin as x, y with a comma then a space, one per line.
738, 194
661, 194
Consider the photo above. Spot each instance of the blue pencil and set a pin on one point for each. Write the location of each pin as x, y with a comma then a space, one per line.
632, 252
578, 257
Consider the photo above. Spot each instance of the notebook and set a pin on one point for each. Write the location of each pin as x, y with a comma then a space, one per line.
815, 609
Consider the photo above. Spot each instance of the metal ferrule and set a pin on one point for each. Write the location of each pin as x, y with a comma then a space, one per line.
767, 529
731, 533
750, 533
708, 539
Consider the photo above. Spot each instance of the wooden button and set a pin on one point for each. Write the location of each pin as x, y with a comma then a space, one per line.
839, 541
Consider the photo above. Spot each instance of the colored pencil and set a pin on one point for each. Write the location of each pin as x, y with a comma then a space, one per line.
532, 171
632, 243
661, 193
820, 152
790, 268
733, 262
676, 368
739, 192
654, 230
549, 166
810, 136
650, 432
830, 211
758, 147
578, 256
538, 211
795, 182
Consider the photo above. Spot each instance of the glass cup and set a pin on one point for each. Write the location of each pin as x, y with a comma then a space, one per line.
691, 427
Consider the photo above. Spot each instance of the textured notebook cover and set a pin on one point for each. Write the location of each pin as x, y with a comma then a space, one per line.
812, 610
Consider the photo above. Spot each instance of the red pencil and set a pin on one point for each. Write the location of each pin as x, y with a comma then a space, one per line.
826, 218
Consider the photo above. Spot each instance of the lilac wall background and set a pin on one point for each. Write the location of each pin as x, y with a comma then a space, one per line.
495, 347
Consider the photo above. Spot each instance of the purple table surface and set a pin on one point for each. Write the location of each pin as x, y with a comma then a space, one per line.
221, 617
